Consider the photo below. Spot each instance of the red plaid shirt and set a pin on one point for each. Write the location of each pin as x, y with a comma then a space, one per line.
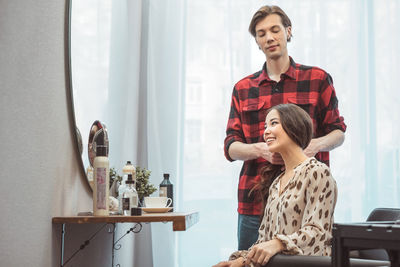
308, 87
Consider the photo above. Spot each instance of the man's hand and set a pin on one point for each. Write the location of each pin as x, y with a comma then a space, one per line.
325, 143
273, 158
241, 151
261, 253
313, 148
239, 262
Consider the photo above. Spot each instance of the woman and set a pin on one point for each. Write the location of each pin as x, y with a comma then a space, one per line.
300, 201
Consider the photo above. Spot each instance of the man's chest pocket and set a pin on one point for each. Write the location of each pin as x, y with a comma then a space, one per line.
253, 120
308, 104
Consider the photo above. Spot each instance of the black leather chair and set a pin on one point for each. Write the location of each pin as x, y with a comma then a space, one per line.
379, 215
369, 257
281, 260
384, 214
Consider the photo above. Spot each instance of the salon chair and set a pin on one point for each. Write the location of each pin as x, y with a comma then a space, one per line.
281, 260
359, 258
378, 215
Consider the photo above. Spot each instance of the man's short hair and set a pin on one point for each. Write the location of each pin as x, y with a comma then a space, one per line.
266, 11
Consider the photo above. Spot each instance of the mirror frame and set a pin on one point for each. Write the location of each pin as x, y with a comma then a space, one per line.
69, 87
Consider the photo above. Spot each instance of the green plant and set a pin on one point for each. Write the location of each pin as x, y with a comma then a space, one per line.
143, 186
114, 176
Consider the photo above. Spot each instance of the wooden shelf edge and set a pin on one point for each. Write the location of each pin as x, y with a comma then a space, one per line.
181, 221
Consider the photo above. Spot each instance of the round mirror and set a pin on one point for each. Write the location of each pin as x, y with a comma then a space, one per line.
105, 52
89, 34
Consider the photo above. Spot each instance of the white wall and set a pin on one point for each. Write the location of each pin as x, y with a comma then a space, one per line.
40, 176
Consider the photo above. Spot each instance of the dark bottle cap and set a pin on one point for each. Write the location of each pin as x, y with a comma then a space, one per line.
166, 175
101, 151
101, 146
129, 180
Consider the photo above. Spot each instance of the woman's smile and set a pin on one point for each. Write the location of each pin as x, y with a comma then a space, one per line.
270, 140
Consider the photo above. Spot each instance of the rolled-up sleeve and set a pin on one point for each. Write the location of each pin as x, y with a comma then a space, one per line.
330, 118
234, 131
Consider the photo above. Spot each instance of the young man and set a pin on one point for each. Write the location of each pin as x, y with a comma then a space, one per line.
281, 80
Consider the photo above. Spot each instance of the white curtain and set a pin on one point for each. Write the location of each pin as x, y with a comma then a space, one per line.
174, 64
165, 78
109, 84
357, 42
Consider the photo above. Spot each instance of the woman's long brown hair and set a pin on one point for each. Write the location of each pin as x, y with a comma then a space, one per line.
298, 126
268, 174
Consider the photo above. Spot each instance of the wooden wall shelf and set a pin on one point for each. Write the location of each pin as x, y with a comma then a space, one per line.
181, 221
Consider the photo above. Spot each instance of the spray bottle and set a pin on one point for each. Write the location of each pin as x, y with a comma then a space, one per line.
101, 175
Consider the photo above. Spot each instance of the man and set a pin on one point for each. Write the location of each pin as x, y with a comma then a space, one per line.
281, 80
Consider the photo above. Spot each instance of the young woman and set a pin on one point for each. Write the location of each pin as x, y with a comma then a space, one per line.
299, 202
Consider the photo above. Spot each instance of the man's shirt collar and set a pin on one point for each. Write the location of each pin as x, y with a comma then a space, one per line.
290, 73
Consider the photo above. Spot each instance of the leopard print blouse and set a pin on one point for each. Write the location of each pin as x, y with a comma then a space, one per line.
302, 216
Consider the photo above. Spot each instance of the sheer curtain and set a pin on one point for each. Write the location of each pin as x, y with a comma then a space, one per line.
175, 63
109, 85
355, 41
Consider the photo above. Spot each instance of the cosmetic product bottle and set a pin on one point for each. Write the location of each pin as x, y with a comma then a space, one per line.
129, 196
101, 179
166, 189
129, 169
121, 189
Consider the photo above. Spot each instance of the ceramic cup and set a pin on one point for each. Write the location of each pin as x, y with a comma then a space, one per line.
157, 202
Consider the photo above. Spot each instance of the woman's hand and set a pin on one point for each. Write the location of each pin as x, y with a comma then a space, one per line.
262, 252
239, 262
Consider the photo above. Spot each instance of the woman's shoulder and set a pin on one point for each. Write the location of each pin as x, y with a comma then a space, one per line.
313, 163
316, 170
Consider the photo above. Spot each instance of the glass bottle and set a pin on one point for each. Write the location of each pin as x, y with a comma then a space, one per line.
127, 169
166, 189
129, 196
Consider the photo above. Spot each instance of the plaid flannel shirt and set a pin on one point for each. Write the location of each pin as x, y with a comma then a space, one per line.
311, 88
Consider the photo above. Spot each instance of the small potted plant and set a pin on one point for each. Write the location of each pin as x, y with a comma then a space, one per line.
143, 186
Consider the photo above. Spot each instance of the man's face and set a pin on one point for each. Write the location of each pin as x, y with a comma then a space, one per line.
271, 36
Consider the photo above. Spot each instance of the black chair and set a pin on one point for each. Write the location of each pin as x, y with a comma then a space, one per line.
384, 214
281, 260
379, 215
368, 257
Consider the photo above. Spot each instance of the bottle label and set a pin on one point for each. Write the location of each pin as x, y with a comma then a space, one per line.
163, 191
101, 188
125, 203
134, 202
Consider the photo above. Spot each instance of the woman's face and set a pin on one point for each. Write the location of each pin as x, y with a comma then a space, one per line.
274, 135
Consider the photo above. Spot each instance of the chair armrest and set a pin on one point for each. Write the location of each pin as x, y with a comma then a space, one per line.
282, 260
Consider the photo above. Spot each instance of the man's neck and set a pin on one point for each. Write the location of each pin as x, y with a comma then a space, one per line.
275, 67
